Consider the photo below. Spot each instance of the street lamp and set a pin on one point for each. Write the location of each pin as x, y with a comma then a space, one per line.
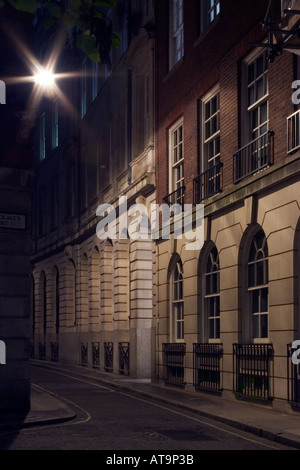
44, 78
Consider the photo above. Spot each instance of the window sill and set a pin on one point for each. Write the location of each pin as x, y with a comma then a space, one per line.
214, 341
261, 341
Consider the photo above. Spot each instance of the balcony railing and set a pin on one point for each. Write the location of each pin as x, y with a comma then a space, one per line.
108, 356
207, 366
208, 183
174, 354
42, 351
254, 156
293, 378
293, 132
124, 359
84, 354
96, 354
176, 197
54, 351
252, 370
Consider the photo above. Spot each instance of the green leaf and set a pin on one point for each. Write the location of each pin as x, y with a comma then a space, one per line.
115, 39
29, 6
70, 19
88, 45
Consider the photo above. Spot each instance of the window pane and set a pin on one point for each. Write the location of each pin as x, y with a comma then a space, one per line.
180, 134
214, 125
217, 306
264, 300
214, 104
207, 130
211, 307
180, 290
251, 280
264, 326
251, 95
254, 118
208, 288
217, 322
211, 328
260, 66
255, 326
263, 113
250, 73
260, 273
175, 138
179, 151
255, 301
215, 283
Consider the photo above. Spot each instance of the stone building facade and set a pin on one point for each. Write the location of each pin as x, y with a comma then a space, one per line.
93, 292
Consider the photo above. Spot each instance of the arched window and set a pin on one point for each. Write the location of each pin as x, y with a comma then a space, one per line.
258, 292
177, 301
212, 294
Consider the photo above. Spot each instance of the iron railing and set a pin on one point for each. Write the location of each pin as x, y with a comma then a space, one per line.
176, 197
293, 132
208, 183
252, 370
54, 351
293, 378
254, 156
84, 353
95, 354
42, 351
124, 364
208, 366
174, 354
108, 356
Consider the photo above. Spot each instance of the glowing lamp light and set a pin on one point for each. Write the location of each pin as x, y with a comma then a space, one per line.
44, 78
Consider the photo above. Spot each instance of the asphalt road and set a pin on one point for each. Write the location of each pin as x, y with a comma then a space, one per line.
112, 420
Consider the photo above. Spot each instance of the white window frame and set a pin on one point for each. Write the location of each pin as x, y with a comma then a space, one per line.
207, 161
248, 129
177, 302
257, 288
209, 11
176, 32
175, 164
214, 296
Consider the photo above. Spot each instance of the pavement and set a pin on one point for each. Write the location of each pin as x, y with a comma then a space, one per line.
261, 420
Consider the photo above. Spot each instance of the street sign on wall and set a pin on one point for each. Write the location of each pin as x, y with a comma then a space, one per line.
12, 221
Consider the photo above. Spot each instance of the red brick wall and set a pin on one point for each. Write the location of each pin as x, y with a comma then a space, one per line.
210, 60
